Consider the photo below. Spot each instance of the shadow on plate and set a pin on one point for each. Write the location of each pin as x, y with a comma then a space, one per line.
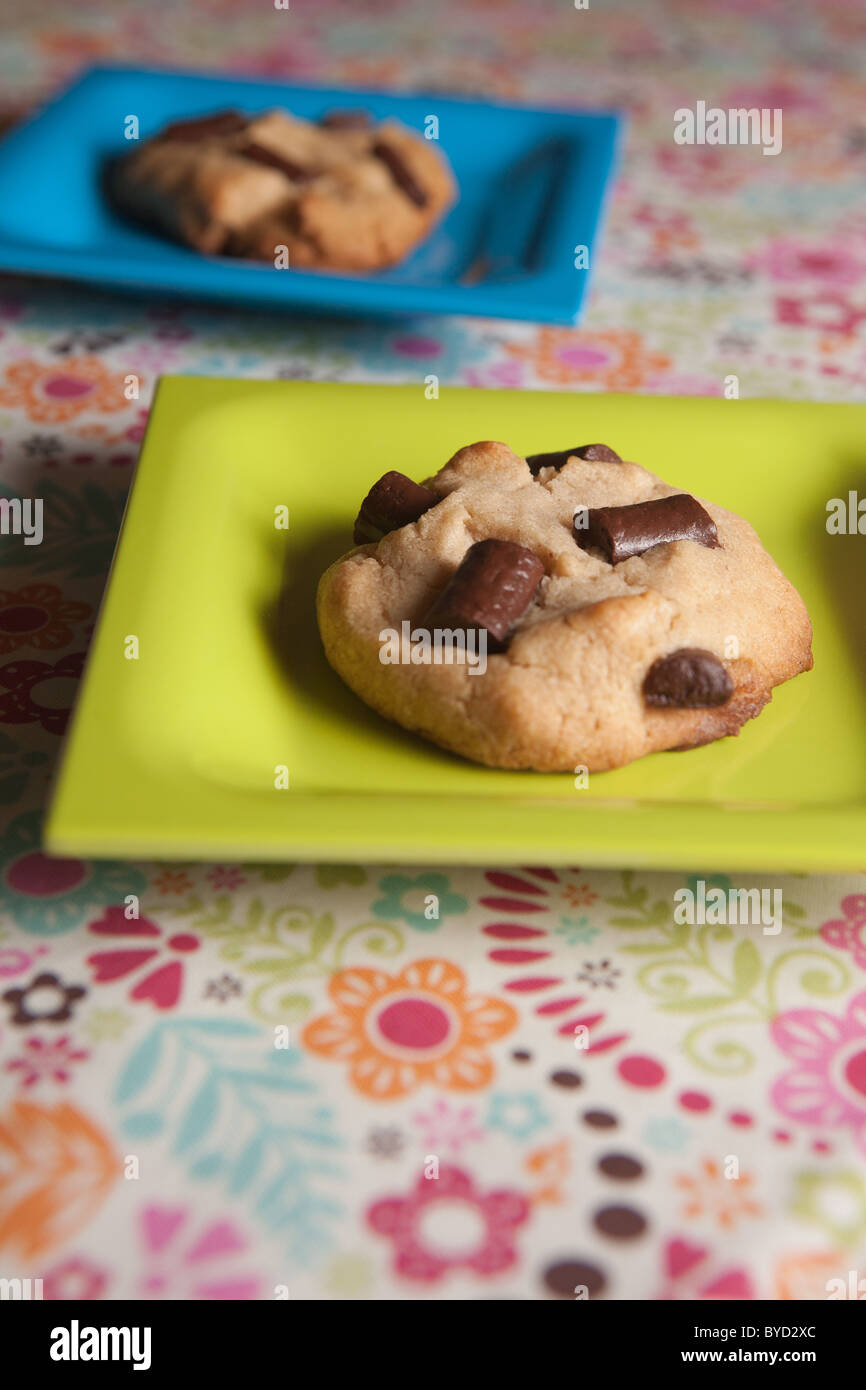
293, 633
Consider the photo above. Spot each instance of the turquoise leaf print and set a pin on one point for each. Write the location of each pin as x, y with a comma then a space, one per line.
237, 1111
424, 901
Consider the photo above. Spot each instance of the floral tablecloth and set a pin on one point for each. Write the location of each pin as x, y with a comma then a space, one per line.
295, 1081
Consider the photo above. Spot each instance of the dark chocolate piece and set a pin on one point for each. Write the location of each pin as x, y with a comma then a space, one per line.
620, 532
205, 127
262, 155
401, 175
491, 589
346, 120
391, 503
598, 453
593, 453
690, 678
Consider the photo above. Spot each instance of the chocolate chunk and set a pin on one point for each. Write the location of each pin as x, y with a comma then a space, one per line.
620, 532
346, 120
491, 589
262, 155
391, 503
600, 1119
401, 175
593, 453
598, 453
620, 1223
205, 127
689, 678
567, 1079
567, 1276
620, 1166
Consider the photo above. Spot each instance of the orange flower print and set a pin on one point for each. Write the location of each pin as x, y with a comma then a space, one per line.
61, 391
721, 1199
615, 359
38, 616
56, 1170
172, 881
579, 894
803, 1278
549, 1165
399, 1031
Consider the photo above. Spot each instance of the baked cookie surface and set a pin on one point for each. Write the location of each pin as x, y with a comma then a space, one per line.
608, 640
342, 193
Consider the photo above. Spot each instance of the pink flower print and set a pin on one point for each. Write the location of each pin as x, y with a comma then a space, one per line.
850, 934
686, 384
182, 1263
508, 374
827, 311
40, 692
705, 169
281, 59
135, 431
448, 1128
15, 962
689, 1275
46, 1060
160, 980
447, 1223
827, 1084
828, 262
669, 231
226, 876
776, 92
75, 1279
416, 345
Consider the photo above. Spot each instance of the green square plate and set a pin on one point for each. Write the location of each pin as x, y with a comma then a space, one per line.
173, 754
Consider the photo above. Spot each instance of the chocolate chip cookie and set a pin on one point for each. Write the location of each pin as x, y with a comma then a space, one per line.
616, 615
341, 193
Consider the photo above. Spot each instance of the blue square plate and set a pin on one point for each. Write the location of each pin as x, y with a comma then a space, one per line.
532, 186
